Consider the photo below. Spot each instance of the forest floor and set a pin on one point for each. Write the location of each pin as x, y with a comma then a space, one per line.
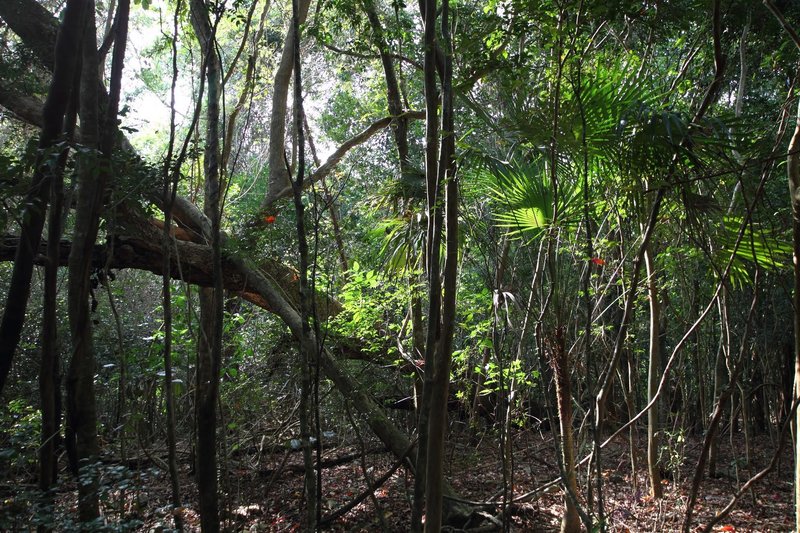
263, 492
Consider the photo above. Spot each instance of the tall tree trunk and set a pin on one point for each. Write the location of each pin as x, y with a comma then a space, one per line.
559, 356
308, 348
171, 176
432, 254
91, 182
61, 87
793, 171
209, 352
50, 367
437, 426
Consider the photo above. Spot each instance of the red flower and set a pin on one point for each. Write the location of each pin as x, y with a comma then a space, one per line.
598, 261
269, 219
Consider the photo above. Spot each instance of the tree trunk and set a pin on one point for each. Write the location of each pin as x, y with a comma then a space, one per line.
653, 376
209, 352
437, 426
49, 369
278, 173
432, 267
719, 386
92, 174
36, 200
309, 351
393, 98
171, 177
793, 171
570, 521
205, 406
499, 274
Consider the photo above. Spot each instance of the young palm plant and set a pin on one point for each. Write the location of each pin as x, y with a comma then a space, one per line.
611, 134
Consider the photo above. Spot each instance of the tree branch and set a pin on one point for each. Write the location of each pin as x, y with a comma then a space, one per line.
333, 160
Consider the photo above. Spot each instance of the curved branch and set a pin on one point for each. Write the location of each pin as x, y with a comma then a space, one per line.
278, 173
359, 55
333, 160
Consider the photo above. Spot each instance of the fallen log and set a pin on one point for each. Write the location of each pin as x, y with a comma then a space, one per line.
258, 287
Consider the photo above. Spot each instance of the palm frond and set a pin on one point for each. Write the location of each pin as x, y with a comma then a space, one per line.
760, 246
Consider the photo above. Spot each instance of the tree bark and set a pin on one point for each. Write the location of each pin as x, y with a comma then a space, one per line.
570, 521
433, 244
209, 349
279, 181
447, 178
653, 376
793, 173
309, 351
91, 182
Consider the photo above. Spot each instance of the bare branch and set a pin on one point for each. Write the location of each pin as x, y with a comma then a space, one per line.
333, 160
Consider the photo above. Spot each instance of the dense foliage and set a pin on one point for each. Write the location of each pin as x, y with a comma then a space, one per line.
620, 245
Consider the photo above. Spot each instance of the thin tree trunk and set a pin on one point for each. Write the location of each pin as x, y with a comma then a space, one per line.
793, 171
92, 175
570, 521
433, 243
629, 392
170, 191
61, 87
437, 427
499, 273
330, 203
417, 345
716, 416
653, 376
49, 369
308, 348
209, 353
719, 386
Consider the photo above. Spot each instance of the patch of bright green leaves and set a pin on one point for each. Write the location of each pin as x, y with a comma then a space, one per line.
372, 308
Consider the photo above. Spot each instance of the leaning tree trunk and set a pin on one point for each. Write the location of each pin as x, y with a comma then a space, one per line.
49, 367
36, 200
